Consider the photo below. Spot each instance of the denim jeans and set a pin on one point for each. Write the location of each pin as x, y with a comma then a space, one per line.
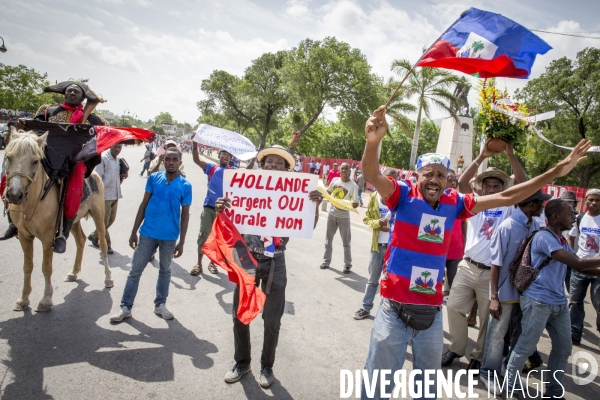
141, 257
579, 284
375, 268
146, 167
537, 317
390, 337
360, 192
494, 343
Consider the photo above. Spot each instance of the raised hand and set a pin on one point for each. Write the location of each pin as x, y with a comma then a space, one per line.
376, 126
577, 155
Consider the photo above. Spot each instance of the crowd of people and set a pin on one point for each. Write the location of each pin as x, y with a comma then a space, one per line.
437, 239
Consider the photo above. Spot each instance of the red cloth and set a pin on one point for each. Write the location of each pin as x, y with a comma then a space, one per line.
107, 136
74, 190
457, 241
226, 248
77, 116
3, 188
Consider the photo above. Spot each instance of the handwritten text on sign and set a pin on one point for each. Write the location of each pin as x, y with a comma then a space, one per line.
271, 203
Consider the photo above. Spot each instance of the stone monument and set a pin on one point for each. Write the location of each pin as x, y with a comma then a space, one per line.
456, 139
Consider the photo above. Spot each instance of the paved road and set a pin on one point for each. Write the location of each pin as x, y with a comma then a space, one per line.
74, 352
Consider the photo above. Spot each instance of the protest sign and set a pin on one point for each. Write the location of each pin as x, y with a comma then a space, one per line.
270, 203
229, 141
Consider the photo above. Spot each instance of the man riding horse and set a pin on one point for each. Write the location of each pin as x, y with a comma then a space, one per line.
70, 111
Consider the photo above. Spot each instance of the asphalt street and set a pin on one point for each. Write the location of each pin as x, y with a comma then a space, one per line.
74, 352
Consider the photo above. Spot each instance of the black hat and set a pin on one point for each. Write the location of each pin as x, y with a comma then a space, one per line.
569, 195
62, 88
537, 196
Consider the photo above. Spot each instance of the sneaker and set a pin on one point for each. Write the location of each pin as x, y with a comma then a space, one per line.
448, 357
362, 313
575, 341
347, 269
110, 250
324, 266
266, 377
163, 312
94, 242
529, 365
236, 373
121, 315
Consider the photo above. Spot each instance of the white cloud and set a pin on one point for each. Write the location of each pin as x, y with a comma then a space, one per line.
24, 51
109, 55
296, 8
143, 3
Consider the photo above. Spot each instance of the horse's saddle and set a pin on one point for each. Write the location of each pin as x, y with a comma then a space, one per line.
67, 144
90, 187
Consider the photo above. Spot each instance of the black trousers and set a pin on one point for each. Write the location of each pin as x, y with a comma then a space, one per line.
271, 314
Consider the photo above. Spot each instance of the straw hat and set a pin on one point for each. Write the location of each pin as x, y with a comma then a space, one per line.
492, 172
278, 151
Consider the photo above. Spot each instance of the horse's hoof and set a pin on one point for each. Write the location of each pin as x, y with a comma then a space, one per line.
70, 278
109, 283
43, 307
21, 307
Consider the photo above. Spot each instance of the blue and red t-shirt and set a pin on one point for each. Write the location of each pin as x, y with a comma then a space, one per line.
414, 263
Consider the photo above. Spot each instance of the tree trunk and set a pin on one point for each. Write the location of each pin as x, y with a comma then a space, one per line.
308, 125
415, 143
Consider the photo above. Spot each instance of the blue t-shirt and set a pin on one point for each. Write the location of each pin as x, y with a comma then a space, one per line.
163, 213
549, 286
215, 183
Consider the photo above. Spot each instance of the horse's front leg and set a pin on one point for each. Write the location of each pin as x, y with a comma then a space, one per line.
46, 303
79, 237
97, 211
27, 246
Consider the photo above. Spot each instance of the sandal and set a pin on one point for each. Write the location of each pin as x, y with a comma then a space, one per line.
212, 268
197, 270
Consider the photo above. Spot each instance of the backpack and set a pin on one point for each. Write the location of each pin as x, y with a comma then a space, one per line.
578, 221
522, 274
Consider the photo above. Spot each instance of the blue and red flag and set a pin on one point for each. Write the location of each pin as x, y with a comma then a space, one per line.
485, 44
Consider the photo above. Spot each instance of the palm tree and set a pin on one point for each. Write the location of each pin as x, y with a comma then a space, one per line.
476, 46
430, 86
399, 107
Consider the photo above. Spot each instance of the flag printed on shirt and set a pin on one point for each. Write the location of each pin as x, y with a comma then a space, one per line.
422, 280
489, 223
591, 238
431, 228
487, 45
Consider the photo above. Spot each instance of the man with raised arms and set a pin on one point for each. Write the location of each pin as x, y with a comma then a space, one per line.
411, 284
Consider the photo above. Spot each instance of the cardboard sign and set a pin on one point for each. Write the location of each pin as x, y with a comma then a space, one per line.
271, 203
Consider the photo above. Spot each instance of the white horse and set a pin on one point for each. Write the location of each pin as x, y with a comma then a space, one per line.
36, 218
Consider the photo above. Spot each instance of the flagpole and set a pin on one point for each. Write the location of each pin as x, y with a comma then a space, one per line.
418, 61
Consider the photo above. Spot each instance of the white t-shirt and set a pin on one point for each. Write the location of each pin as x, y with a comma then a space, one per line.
325, 169
480, 229
589, 239
344, 191
383, 237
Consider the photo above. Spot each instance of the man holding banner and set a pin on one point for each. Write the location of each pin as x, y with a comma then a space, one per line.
413, 269
214, 174
269, 253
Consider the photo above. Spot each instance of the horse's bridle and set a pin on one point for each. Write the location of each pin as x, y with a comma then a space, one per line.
30, 179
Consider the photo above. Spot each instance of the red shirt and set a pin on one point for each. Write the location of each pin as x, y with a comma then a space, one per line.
331, 175
457, 241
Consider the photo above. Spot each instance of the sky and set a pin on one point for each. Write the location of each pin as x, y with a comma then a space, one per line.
150, 56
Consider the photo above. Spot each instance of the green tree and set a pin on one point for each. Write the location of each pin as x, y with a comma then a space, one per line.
430, 86
327, 73
256, 100
572, 89
164, 117
21, 88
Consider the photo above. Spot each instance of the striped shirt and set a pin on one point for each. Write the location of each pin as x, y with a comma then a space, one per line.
416, 257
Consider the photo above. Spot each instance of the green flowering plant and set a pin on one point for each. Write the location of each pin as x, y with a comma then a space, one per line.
497, 124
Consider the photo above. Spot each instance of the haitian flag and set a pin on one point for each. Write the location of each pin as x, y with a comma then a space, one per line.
226, 248
487, 44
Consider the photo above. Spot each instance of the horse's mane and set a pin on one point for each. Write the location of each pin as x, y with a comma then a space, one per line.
25, 143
